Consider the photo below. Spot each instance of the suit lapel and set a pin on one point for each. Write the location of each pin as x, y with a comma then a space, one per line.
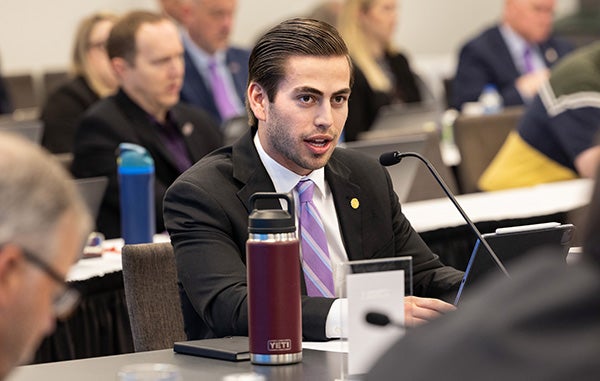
503, 55
195, 88
347, 198
238, 73
145, 129
249, 170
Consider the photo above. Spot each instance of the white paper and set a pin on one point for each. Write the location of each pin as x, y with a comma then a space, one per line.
381, 292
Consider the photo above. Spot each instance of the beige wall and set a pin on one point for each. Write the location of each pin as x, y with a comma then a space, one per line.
35, 35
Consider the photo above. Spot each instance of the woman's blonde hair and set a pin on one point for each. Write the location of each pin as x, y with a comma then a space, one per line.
358, 44
79, 64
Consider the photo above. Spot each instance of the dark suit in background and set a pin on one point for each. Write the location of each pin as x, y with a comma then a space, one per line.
62, 111
197, 92
206, 215
487, 60
5, 104
118, 119
364, 102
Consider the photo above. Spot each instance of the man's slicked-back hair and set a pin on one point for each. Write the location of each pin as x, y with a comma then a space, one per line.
121, 41
291, 38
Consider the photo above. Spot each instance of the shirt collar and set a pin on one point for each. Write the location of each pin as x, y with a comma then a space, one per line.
516, 44
283, 179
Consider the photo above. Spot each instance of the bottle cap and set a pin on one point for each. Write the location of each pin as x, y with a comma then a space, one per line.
271, 221
134, 159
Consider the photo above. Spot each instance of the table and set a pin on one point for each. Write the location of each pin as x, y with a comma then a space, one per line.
100, 326
316, 365
445, 231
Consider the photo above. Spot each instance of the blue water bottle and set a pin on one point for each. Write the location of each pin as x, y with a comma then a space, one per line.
136, 183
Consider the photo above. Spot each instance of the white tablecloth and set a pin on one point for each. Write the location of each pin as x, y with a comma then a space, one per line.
527, 202
109, 262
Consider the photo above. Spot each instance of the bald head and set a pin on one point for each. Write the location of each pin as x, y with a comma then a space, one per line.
531, 19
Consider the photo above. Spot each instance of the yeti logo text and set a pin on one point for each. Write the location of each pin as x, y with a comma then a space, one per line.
280, 345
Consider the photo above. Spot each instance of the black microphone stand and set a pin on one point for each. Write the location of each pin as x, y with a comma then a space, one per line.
399, 155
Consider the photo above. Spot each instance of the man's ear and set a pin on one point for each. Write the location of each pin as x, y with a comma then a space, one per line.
10, 260
120, 66
257, 99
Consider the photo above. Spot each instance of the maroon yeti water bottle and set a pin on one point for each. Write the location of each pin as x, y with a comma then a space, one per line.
273, 266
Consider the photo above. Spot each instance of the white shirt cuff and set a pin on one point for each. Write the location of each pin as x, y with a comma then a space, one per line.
336, 325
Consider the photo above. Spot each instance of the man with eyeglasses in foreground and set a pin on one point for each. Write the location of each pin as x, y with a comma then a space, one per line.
43, 227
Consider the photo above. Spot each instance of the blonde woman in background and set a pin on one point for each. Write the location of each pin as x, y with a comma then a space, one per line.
92, 79
382, 75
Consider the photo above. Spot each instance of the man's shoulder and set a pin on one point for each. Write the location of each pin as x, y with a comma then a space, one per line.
192, 113
484, 38
238, 51
580, 71
359, 164
217, 164
104, 109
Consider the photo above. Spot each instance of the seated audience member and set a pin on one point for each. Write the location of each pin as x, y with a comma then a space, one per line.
43, 227
514, 56
541, 325
176, 9
93, 78
555, 138
5, 104
147, 57
216, 73
327, 11
382, 75
300, 80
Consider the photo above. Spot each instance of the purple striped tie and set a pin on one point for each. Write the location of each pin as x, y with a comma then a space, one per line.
315, 255
226, 108
528, 59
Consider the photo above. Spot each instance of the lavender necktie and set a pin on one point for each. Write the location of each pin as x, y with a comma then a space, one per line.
226, 108
527, 59
316, 264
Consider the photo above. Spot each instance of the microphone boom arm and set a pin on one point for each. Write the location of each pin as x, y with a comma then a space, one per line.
399, 155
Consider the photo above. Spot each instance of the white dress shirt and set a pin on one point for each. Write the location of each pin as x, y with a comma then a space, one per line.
285, 181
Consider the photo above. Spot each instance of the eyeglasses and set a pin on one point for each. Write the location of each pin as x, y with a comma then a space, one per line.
68, 299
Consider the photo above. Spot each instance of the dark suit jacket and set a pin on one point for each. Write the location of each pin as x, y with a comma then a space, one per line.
364, 102
118, 119
5, 103
206, 215
487, 60
62, 111
541, 325
195, 90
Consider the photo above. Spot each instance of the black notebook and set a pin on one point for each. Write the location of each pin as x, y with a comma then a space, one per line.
232, 348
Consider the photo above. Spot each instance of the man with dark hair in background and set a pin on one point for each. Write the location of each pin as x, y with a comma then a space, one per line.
147, 56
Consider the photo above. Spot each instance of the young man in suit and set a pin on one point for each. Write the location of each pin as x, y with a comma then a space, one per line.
147, 55
216, 73
514, 56
297, 101
43, 226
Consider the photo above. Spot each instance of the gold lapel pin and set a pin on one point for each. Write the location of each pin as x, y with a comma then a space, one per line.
354, 203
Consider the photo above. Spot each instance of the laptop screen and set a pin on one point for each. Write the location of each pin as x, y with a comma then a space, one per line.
510, 244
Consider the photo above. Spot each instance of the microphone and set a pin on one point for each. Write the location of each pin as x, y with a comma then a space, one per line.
391, 158
380, 319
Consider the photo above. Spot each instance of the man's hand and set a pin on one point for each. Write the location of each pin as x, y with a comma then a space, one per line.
420, 310
528, 84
